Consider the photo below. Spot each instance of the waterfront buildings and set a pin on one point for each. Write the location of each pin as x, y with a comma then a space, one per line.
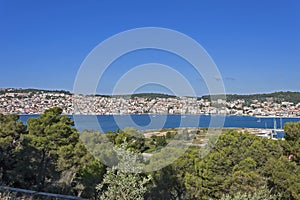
37, 102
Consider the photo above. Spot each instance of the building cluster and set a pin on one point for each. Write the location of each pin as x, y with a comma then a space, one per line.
34, 103
38, 102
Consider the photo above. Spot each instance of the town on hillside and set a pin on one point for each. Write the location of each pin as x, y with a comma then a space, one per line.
31, 101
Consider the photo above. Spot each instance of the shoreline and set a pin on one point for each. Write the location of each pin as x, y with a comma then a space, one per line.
160, 114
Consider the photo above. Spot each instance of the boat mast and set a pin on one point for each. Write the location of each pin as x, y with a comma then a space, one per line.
274, 131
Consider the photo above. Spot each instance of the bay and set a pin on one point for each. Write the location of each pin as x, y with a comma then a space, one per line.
105, 123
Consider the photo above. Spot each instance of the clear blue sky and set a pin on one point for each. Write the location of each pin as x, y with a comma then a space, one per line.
255, 44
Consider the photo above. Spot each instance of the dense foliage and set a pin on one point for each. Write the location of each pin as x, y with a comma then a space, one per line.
119, 181
50, 155
276, 96
47, 156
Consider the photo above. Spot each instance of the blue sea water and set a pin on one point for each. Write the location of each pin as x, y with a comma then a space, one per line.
105, 123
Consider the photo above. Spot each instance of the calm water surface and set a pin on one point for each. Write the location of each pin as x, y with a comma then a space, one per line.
106, 123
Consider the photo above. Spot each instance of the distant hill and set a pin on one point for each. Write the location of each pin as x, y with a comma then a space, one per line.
153, 95
145, 95
276, 97
31, 90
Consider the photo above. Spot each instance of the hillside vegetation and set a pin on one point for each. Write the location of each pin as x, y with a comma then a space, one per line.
276, 96
50, 155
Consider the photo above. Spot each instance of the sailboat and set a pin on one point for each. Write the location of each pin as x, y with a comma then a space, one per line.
265, 133
259, 120
271, 133
276, 131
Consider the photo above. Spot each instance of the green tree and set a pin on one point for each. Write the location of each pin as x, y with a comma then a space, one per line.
292, 131
166, 185
283, 176
245, 165
234, 164
11, 131
159, 141
245, 182
244, 178
90, 175
134, 139
53, 141
99, 146
262, 194
169, 182
124, 181
111, 136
